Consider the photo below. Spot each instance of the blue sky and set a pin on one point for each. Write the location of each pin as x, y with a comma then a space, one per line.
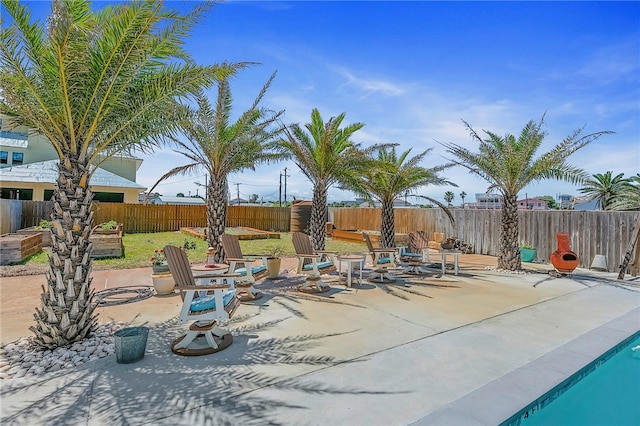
411, 71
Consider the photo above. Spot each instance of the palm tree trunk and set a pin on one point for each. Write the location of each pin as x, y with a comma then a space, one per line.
509, 257
318, 216
216, 214
66, 314
387, 233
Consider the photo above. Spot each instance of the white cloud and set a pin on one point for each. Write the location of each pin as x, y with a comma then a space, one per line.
369, 86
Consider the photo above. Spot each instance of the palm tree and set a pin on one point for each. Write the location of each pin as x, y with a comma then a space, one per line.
463, 195
95, 84
325, 154
222, 147
604, 188
629, 196
507, 163
387, 176
448, 197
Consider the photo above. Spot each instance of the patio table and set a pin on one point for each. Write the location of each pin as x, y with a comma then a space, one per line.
351, 260
455, 254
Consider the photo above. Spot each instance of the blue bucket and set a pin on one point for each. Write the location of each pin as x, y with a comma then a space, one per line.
130, 344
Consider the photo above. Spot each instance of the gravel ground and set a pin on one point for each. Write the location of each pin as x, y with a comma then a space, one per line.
19, 270
30, 269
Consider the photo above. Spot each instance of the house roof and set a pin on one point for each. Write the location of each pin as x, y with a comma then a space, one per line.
12, 141
47, 172
178, 200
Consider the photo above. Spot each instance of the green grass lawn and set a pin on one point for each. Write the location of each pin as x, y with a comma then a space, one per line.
139, 248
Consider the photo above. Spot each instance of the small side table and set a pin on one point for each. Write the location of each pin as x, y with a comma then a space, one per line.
219, 268
455, 254
351, 260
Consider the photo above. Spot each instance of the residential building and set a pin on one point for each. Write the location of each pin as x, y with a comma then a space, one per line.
532, 204
28, 169
191, 201
566, 201
486, 201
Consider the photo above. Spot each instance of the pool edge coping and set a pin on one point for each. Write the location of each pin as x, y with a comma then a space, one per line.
510, 393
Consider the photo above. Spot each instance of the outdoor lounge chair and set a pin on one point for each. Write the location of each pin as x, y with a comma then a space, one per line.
418, 247
243, 265
206, 305
383, 258
313, 263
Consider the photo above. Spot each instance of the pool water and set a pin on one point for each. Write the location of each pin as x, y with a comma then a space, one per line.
609, 395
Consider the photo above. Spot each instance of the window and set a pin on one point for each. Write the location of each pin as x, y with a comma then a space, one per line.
109, 197
16, 193
17, 158
4, 157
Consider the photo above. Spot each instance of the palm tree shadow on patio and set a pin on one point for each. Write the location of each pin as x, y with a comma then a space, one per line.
163, 387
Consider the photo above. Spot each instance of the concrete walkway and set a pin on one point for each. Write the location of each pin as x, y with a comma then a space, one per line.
422, 350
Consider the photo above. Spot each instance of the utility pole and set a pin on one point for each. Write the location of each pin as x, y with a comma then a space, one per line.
285, 186
280, 192
237, 192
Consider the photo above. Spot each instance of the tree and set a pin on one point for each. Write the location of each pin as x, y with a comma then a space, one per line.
508, 164
448, 197
326, 155
463, 195
180, 194
95, 84
551, 202
254, 198
221, 147
386, 176
629, 197
604, 188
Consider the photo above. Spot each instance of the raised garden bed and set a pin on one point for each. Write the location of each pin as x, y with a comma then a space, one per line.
400, 239
243, 233
107, 242
46, 234
17, 247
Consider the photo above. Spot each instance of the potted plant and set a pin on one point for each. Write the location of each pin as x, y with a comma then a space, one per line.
159, 262
274, 261
527, 253
162, 279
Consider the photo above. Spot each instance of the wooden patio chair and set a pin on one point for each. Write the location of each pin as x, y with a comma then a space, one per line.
418, 247
383, 258
313, 263
243, 265
205, 305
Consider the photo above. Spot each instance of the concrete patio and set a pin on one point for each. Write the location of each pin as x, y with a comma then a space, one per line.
423, 350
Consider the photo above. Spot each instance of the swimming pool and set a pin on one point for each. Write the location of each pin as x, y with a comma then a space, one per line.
606, 392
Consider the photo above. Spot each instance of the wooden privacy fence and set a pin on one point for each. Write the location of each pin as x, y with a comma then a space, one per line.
276, 219
141, 218
590, 232
10, 215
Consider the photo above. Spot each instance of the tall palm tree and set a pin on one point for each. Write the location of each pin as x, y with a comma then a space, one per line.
604, 188
325, 154
508, 164
95, 84
463, 195
387, 176
221, 147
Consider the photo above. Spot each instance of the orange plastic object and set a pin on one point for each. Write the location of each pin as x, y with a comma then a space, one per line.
563, 259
